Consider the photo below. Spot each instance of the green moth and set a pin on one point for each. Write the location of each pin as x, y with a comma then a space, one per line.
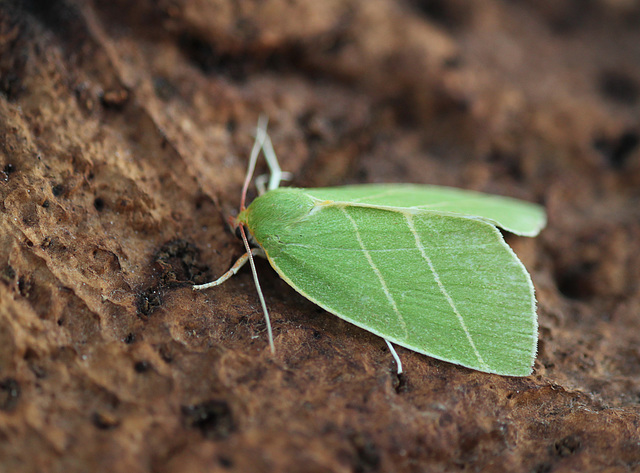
424, 267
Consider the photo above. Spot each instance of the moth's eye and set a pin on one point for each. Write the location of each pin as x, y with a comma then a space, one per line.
238, 233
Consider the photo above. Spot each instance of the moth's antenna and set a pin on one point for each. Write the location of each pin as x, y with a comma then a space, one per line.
255, 279
261, 134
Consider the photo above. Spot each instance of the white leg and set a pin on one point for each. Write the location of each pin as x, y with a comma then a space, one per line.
261, 183
262, 179
261, 135
275, 173
395, 356
232, 271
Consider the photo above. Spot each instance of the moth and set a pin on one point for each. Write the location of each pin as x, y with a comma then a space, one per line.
423, 267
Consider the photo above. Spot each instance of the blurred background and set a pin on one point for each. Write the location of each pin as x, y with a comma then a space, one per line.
125, 130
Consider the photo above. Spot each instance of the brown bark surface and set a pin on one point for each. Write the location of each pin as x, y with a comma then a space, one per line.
125, 129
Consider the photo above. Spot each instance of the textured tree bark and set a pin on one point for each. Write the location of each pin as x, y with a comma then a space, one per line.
124, 133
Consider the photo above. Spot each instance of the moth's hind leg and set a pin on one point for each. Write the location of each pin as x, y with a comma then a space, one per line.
395, 356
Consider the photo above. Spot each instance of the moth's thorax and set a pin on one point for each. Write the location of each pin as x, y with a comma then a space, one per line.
275, 211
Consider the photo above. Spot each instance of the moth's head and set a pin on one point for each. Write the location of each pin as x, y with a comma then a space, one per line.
236, 222
232, 222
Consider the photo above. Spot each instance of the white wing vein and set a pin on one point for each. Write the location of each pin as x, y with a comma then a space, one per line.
377, 272
443, 290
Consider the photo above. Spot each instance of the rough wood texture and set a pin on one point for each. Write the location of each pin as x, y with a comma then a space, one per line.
124, 133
